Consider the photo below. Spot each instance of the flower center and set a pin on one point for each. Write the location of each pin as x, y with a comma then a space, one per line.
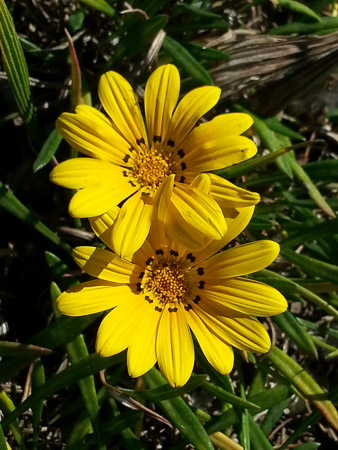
167, 282
151, 168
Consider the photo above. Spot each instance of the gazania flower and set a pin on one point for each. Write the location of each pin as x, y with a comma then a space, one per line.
129, 159
165, 293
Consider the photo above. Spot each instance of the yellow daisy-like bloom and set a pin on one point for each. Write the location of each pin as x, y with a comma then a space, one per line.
129, 159
164, 292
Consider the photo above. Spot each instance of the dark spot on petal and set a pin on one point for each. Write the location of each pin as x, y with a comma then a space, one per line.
138, 287
201, 285
181, 180
172, 309
171, 143
188, 307
173, 253
141, 275
149, 300
157, 308
145, 194
140, 141
197, 299
131, 149
125, 173
180, 153
183, 166
132, 183
126, 158
157, 139
200, 271
191, 257
149, 261
159, 252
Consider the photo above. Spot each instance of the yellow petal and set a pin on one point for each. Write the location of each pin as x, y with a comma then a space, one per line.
160, 98
229, 195
202, 153
117, 328
77, 173
236, 220
241, 260
219, 354
105, 265
132, 225
98, 199
120, 102
190, 109
174, 347
246, 296
245, 333
229, 124
199, 210
91, 133
92, 297
103, 225
141, 355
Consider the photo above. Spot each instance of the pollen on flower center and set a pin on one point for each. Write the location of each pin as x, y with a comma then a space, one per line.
151, 168
167, 282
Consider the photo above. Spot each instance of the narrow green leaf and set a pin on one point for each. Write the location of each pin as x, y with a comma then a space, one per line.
145, 30
299, 8
100, 5
15, 64
305, 383
186, 61
230, 398
292, 328
312, 266
13, 205
77, 350
3, 445
81, 369
166, 392
326, 23
258, 439
179, 413
273, 415
327, 228
207, 53
278, 127
58, 333
287, 286
48, 150
8, 348
76, 88
38, 379
7, 407
194, 10
270, 140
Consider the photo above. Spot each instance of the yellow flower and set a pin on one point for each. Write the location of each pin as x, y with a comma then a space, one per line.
164, 292
129, 159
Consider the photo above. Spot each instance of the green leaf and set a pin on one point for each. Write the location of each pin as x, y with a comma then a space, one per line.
305, 383
100, 5
311, 233
292, 328
48, 150
195, 11
16, 349
179, 413
7, 407
3, 445
273, 415
81, 369
13, 205
77, 350
258, 439
326, 23
15, 64
38, 379
299, 8
276, 125
145, 30
199, 52
230, 398
312, 266
76, 20
186, 61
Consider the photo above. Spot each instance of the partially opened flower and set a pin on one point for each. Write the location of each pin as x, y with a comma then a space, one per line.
164, 293
129, 158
